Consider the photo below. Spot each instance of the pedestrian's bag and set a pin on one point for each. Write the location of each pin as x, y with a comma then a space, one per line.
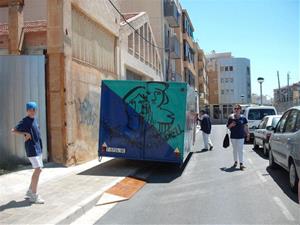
226, 140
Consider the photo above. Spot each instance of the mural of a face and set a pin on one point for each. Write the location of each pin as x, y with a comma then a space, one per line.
156, 93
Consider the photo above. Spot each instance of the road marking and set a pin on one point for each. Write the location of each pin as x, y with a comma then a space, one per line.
250, 161
261, 177
283, 208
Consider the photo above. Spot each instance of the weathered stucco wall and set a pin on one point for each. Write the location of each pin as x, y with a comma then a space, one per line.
83, 113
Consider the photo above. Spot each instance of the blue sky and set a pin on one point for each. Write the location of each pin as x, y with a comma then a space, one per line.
265, 31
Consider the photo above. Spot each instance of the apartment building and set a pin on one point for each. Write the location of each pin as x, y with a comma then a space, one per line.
202, 75
286, 97
164, 17
139, 58
229, 83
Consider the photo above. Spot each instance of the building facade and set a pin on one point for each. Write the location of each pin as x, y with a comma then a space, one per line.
139, 59
229, 83
164, 17
286, 97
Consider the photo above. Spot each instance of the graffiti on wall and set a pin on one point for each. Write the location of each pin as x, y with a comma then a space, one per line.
88, 112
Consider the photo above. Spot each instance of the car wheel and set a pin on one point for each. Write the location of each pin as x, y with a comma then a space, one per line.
255, 146
293, 177
265, 149
272, 163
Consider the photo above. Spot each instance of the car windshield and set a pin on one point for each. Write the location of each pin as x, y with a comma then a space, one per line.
258, 114
275, 121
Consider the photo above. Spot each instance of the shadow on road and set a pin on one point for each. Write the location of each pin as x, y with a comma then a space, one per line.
229, 169
281, 177
15, 204
260, 152
115, 167
152, 172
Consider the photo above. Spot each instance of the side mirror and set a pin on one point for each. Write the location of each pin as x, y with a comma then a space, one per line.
270, 128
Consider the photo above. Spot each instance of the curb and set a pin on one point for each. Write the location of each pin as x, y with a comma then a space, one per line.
81, 208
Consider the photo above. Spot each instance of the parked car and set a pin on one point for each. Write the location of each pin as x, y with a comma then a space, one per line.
262, 135
255, 114
285, 145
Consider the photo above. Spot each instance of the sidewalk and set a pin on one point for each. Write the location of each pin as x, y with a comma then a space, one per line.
68, 192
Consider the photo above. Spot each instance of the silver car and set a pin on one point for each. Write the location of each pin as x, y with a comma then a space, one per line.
285, 145
262, 135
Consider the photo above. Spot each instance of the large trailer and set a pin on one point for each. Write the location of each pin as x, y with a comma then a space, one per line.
147, 120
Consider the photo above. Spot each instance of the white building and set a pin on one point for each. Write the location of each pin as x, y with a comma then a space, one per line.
234, 80
234, 83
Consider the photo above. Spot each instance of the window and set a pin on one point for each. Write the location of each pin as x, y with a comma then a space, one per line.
275, 121
226, 68
232, 91
130, 43
222, 92
280, 126
222, 68
248, 70
263, 123
226, 80
222, 80
291, 121
227, 91
231, 80
231, 68
259, 114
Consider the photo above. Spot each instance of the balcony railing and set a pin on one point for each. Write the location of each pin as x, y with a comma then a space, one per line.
171, 13
175, 48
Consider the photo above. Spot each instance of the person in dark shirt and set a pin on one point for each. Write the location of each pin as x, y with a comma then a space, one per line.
205, 124
237, 124
28, 127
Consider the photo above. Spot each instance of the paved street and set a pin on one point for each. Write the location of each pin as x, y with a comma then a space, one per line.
208, 191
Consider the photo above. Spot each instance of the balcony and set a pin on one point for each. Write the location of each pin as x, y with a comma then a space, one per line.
175, 48
171, 13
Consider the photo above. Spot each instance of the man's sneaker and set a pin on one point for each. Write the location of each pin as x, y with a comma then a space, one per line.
211, 147
36, 199
28, 194
234, 165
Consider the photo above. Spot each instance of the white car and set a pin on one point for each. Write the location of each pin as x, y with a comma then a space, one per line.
262, 135
255, 114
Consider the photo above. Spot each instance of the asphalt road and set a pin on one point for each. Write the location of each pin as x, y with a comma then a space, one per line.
208, 191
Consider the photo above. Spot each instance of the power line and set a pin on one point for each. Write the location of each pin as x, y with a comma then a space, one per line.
136, 31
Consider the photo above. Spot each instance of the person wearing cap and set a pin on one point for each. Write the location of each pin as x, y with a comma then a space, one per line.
29, 129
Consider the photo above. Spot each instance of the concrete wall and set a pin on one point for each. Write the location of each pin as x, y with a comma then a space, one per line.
74, 80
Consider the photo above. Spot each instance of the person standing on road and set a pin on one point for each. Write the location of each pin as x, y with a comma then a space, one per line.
205, 125
237, 124
28, 127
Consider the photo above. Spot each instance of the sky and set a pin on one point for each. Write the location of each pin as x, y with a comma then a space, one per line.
264, 31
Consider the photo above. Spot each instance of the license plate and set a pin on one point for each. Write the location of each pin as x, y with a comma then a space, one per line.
116, 150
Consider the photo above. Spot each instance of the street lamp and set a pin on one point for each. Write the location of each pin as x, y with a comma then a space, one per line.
242, 97
260, 80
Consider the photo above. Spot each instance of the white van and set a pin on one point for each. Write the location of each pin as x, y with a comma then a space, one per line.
255, 114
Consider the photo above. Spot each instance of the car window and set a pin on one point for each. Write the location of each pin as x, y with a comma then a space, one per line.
281, 123
258, 114
297, 126
263, 123
275, 121
291, 121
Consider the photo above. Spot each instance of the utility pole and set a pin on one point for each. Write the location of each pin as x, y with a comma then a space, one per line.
279, 95
288, 88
